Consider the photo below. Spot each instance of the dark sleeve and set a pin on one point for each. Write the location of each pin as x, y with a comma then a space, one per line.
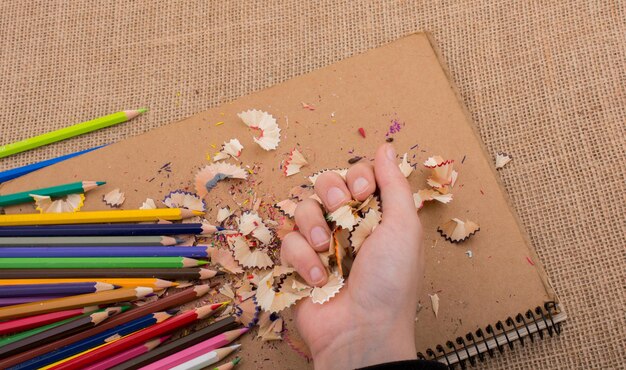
408, 365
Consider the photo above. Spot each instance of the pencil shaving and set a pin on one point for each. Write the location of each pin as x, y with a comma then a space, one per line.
276, 300
405, 166
270, 327
323, 294
457, 231
229, 149
251, 223
502, 159
293, 163
227, 290
68, 204
263, 121
114, 198
148, 204
225, 259
287, 207
434, 300
442, 174
248, 312
208, 177
223, 213
363, 229
246, 256
183, 199
426, 195
343, 217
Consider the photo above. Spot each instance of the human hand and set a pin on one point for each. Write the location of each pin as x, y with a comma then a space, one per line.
372, 319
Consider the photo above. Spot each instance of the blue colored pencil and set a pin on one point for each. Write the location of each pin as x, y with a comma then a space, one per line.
21, 171
65, 289
122, 229
116, 251
91, 342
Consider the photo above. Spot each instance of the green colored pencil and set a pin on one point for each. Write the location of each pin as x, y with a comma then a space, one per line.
68, 132
54, 191
89, 263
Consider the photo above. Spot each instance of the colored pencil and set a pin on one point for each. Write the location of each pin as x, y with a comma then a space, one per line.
59, 332
116, 322
196, 350
121, 229
72, 241
54, 191
206, 359
128, 355
87, 263
58, 351
180, 344
19, 325
26, 290
13, 301
59, 304
95, 274
21, 171
110, 251
130, 341
68, 132
132, 215
19, 336
229, 365
156, 284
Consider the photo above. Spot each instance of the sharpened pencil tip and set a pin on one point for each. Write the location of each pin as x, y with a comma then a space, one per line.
142, 110
100, 183
236, 360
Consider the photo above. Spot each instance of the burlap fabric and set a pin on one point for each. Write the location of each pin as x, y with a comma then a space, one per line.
544, 82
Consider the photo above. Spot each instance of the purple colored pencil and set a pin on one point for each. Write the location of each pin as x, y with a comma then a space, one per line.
122, 229
20, 300
56, 289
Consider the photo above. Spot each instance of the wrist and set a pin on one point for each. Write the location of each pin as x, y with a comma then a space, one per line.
368, 344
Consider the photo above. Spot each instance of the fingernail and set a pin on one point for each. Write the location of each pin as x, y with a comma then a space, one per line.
334, 196
319, 236
316, 275
360, 185
391, 152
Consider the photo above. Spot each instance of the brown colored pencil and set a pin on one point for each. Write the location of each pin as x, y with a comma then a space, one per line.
66, 303
168, 274
58, 332
173, 300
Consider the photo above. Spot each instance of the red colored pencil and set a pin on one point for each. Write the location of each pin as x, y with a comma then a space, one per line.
18, 325
128, 355
137, 338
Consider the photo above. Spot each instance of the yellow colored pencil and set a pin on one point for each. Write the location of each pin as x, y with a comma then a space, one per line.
133, 215
126, 283
68, 132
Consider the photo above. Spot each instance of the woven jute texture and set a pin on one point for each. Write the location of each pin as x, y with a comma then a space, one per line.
544, 81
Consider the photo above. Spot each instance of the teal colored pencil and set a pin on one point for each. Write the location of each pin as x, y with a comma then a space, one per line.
53, 191
68, 132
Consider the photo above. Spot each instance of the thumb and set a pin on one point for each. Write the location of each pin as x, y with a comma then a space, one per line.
397, 198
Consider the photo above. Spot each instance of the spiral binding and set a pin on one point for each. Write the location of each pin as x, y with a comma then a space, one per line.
474, 346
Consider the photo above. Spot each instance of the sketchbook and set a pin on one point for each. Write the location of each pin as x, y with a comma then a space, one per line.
493, 291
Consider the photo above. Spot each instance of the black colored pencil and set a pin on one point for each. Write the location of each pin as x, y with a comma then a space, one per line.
171, 347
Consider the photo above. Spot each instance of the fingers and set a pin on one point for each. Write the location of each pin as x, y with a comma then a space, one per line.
396, 195
297, 252
332, 190
361, 181
312, 225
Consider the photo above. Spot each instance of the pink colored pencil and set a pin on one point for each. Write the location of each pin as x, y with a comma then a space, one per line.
17, 325
128, 355
196, 350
